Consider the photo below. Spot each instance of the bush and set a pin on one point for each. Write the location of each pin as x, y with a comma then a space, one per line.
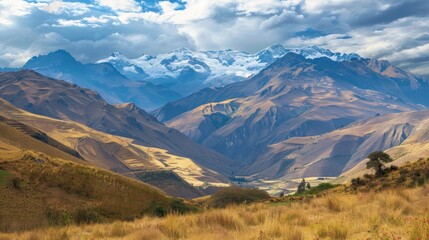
393, 168
158, 210
318, 189
86, 216
59, 217
16, 183
356, 181
235, 195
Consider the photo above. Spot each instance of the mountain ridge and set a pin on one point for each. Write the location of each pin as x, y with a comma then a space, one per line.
61, 100
293, 97
214, 68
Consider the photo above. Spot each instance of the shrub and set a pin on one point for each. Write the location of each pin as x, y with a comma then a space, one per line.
180, 207
58, 217
235, 195
16, 183
318, 189
394, 168
158, 210
85, 216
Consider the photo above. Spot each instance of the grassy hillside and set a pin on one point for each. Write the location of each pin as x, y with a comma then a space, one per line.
392, 213
38, 190
409, 175
170, 182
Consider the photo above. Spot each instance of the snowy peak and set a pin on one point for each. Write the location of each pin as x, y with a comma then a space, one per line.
313, 52
199, 69
125, 66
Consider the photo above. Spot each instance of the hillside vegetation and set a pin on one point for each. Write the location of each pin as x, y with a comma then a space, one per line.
409, 175
392, 213
39, 191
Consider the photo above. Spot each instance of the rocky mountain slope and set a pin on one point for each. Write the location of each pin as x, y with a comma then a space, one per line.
414, 146
340, 151
295, 96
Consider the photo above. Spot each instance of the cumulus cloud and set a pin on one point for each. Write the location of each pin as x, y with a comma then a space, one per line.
9, 9
392, 29
71, 8
120, 5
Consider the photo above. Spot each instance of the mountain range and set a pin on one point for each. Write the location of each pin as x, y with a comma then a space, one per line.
295, 97
152, 81
187, 71
278, 114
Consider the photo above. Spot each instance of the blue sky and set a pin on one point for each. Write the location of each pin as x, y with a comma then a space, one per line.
396, 30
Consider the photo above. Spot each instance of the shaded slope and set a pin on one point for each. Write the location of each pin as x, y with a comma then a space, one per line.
414, 147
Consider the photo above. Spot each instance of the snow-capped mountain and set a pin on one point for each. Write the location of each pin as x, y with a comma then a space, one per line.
189, 71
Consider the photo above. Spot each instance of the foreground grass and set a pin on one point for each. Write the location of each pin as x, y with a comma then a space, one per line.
391, 214
37, 191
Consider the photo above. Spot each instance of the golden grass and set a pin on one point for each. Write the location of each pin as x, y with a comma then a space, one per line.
391, 214
57, 192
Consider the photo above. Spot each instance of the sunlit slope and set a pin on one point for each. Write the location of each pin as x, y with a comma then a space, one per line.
343, 151
111, 152
38, 94
39, 190
415, 147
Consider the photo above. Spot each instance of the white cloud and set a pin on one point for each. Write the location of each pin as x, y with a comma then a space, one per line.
120, 5
317, 6
383, 28
167, 6
60, 7
70, 23
392, 42
13, 8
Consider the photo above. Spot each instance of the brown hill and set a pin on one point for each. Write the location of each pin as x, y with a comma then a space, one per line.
115, 153
38, 190
42, 185
58, 99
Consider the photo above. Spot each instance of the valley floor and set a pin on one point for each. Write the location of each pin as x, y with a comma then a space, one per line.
390, 214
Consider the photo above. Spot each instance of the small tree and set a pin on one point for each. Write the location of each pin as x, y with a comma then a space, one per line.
308, 186
301, 187
377, 160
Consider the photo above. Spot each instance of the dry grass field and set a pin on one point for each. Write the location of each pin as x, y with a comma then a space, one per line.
390, 214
